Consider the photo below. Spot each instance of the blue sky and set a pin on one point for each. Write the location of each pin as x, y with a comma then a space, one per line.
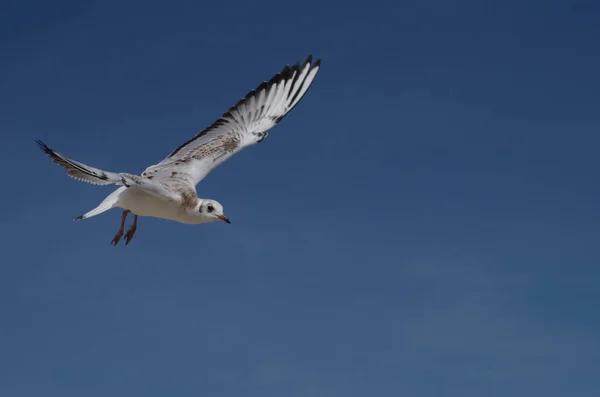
424, 223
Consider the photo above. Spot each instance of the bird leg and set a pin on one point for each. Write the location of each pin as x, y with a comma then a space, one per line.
131, 231
117, 237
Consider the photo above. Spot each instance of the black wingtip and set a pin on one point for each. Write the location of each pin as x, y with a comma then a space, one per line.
42, 145
45, 148
309, 61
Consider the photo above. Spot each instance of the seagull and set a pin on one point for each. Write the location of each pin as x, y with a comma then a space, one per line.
167, 190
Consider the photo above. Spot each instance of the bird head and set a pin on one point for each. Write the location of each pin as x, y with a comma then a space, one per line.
212, 210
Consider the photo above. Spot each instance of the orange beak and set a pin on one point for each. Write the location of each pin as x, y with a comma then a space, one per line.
224, 218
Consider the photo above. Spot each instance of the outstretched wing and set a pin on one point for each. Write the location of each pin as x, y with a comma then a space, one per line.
97, 176
81, 171
245, 124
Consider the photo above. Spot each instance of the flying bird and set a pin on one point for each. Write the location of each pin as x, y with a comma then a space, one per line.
167, 190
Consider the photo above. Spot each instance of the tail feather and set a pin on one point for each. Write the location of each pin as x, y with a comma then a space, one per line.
109, 202
79, 170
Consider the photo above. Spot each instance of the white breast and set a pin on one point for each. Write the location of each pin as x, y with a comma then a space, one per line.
144, 204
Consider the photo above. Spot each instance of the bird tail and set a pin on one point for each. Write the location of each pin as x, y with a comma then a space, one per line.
109, 202
80, 171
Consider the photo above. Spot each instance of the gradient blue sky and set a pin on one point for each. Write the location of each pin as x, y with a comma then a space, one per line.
424, 223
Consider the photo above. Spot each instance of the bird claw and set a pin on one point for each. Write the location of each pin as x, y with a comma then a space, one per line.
117, 238
129, 234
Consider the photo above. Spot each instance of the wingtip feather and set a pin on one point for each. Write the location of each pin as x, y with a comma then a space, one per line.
42, 145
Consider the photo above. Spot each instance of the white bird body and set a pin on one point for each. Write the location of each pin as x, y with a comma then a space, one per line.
167, 190
141, 203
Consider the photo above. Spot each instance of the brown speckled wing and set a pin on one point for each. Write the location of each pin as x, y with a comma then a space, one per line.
244, 124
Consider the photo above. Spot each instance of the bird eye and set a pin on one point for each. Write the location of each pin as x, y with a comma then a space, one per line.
210, 208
